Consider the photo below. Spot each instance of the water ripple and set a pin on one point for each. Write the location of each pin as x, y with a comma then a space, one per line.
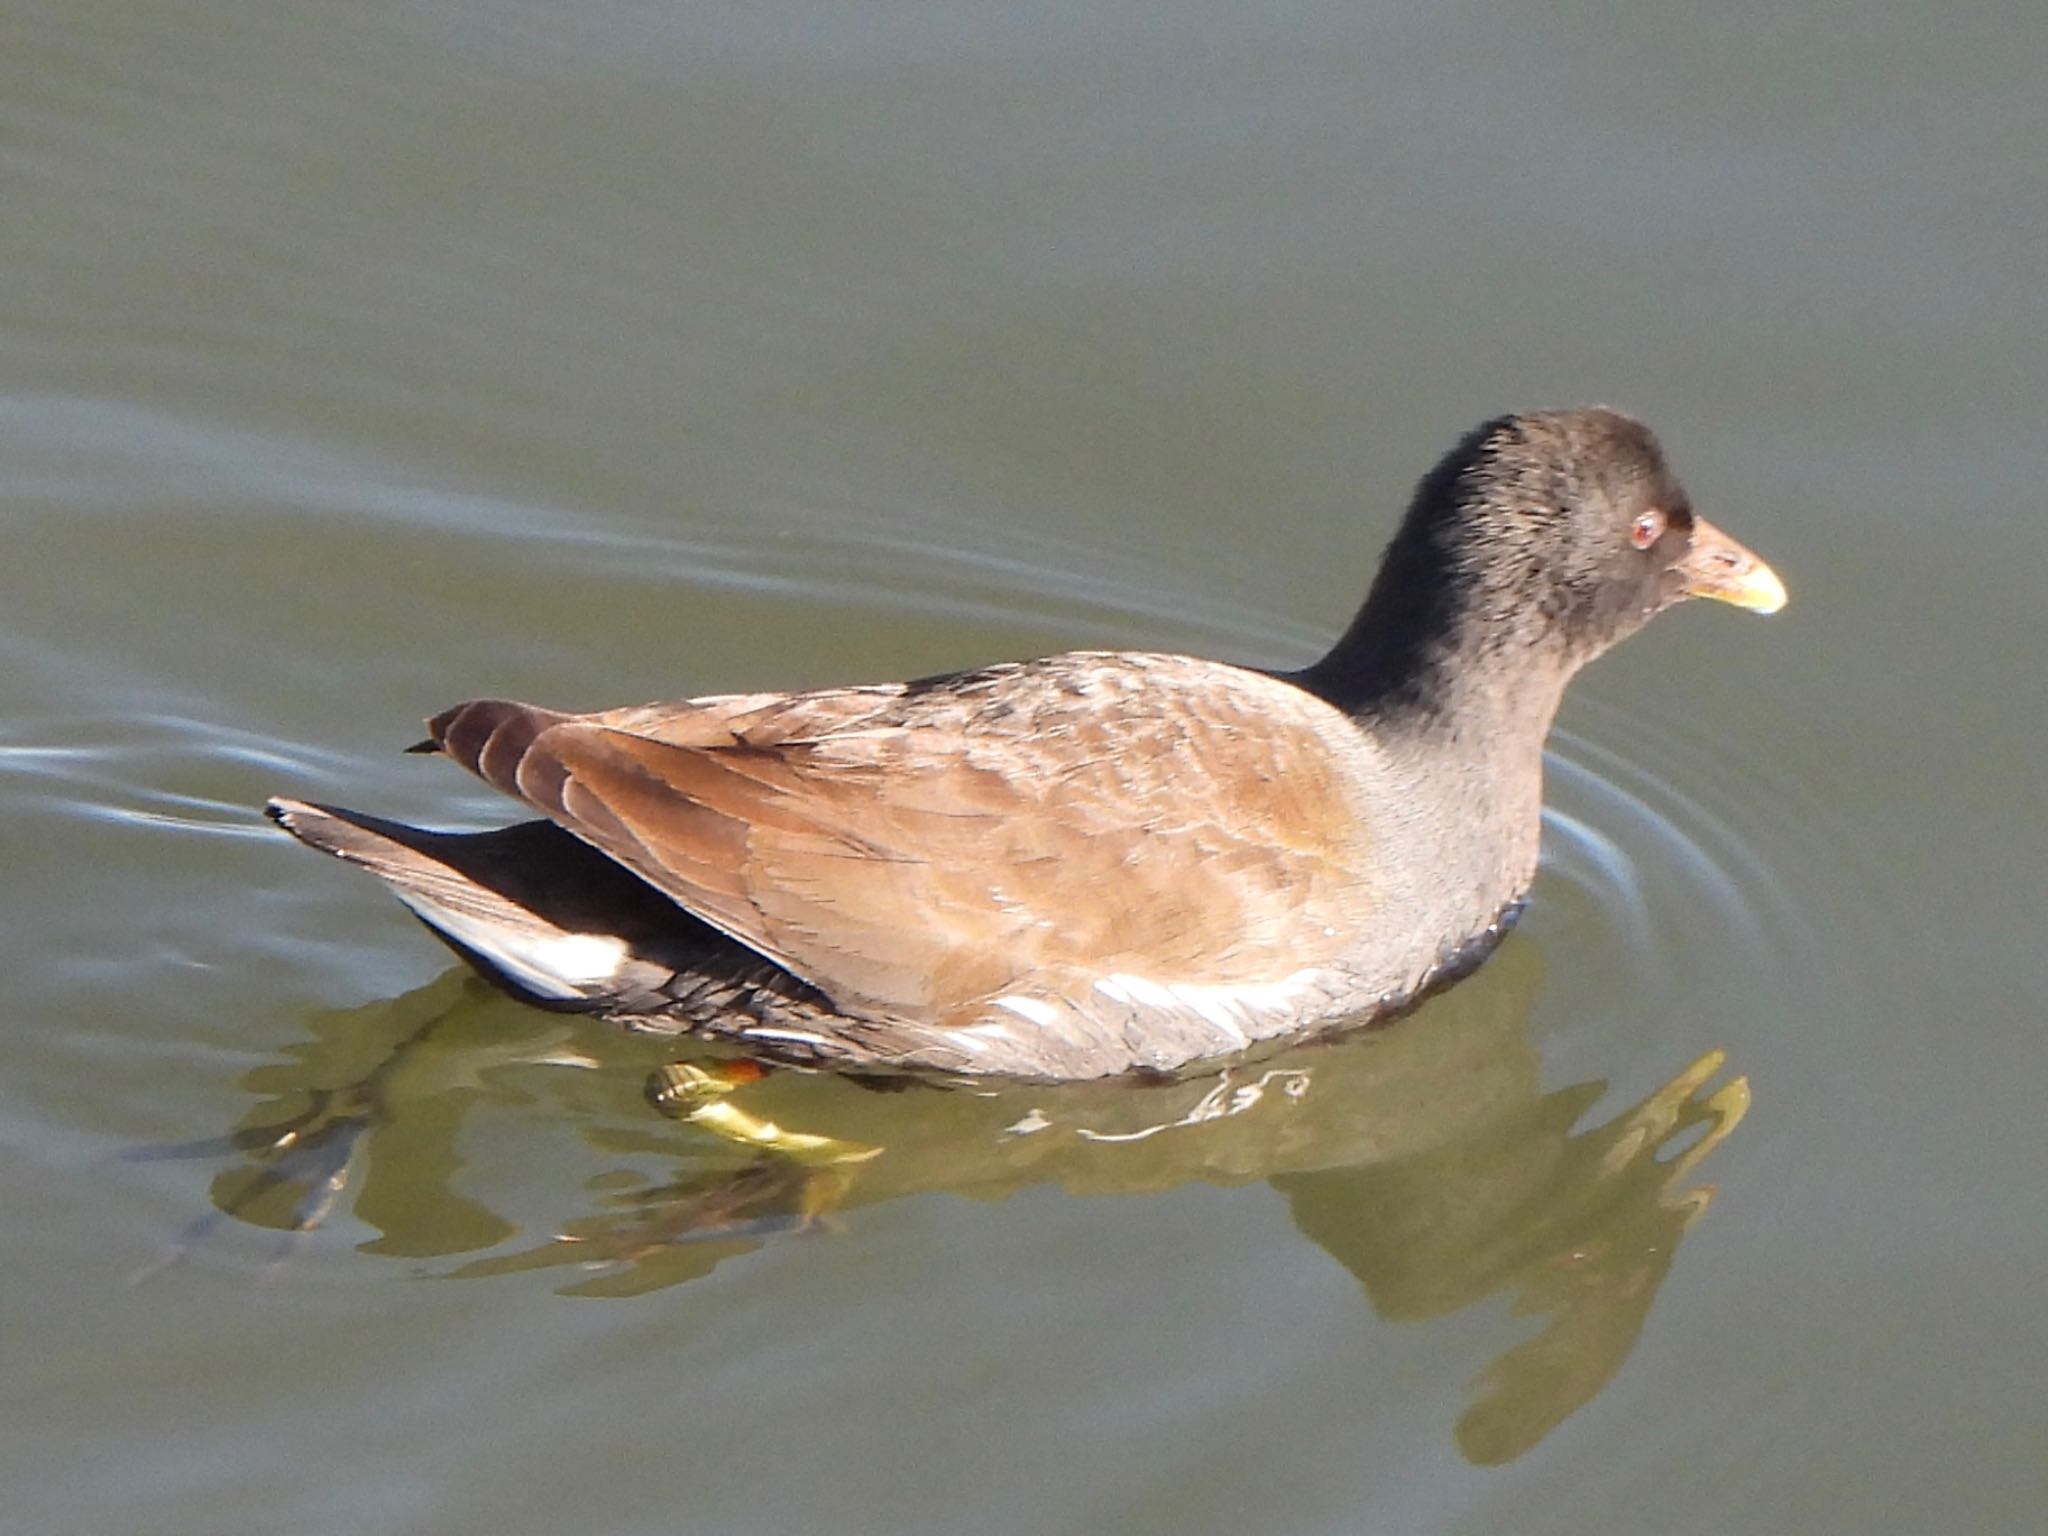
1710, 887
156, 771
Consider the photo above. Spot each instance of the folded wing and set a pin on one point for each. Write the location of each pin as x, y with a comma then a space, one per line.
917, 851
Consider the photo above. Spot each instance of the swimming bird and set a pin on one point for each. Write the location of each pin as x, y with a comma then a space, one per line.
1090, 864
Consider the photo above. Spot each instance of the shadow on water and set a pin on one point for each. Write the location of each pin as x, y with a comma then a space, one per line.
1424, 1157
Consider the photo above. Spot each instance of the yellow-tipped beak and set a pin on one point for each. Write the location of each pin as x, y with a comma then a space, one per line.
1718, 567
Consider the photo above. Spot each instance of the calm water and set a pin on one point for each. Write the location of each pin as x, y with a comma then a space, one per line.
360, 359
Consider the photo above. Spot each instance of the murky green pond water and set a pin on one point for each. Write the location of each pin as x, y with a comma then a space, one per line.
359, 359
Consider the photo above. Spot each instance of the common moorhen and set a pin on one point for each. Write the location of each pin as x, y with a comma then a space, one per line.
1094, 863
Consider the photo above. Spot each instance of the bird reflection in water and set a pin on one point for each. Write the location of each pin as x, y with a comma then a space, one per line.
1424, 1157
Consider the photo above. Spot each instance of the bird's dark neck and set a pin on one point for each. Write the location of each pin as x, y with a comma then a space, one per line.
1456, 725
1425, 662
1446, 646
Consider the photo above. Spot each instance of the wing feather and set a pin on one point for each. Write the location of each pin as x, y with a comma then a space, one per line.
912, 852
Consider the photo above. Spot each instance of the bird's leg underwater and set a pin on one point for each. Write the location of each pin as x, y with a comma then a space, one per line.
700, 1093
652, 1236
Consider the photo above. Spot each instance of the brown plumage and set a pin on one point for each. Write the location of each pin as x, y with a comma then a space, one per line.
1091, 863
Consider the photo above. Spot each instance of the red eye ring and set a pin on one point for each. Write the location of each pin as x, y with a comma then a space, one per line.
1648, 528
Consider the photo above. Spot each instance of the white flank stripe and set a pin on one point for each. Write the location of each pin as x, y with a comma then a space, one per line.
1036, 1009
1214, 1008
1224, 1006
768, 1032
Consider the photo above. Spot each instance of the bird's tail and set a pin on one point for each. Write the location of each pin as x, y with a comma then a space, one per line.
533, 908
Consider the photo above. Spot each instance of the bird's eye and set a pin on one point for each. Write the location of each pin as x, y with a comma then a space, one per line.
1647, 529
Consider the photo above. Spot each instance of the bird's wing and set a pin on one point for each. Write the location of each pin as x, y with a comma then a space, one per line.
913, 851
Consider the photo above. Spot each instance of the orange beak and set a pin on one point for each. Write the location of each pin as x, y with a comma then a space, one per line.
1718, 567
